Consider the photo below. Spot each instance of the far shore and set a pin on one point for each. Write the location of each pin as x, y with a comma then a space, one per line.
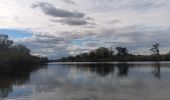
130, 62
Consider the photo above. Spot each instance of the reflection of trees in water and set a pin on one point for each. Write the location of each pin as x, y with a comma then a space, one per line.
106, 69
123, 69
103, 69
157, 70
10, 77
100, 69
7, 80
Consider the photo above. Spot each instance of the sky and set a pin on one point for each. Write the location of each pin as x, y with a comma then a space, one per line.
59, 28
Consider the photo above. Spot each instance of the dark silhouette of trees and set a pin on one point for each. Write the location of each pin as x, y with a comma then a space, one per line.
122, 51
5, 43
21, 49
155, 49
122, 54
16, 54
98, 55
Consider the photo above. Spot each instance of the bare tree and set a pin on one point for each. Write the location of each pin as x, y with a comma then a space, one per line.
155, 49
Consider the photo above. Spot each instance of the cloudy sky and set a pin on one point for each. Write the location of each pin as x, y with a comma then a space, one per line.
57, 28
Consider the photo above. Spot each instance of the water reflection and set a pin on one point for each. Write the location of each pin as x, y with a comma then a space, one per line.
123, 69
106, 69
76, 78
157, 70
100, 69
7, 81
15, 76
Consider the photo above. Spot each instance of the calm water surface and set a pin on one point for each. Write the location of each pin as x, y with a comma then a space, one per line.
89, 81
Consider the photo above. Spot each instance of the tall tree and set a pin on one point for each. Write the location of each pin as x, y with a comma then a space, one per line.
155, 49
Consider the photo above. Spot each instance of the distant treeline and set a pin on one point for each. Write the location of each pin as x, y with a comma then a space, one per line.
17, 54
103, 54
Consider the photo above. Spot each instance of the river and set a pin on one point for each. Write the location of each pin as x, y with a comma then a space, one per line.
89, 81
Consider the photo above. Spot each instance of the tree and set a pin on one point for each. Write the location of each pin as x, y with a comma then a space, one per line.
16, 54
121, 51
155, 49
102, 52
5, 43
22, 49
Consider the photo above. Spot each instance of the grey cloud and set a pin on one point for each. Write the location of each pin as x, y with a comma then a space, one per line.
50, 10
141, 38
51, 45
144, 5
72, 21
135, 38
66, 17
114, 22
46, 45
92, 44
140, 5
69, 2
38, 38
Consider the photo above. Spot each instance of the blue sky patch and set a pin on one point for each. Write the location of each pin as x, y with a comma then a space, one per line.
77, 42
15, 33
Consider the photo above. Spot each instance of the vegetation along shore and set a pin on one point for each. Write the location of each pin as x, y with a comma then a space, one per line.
12, 54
